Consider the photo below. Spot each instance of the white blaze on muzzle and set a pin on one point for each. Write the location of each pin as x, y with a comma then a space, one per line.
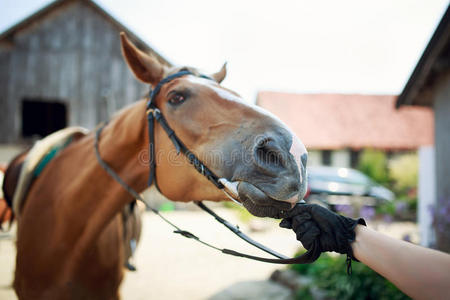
298, 150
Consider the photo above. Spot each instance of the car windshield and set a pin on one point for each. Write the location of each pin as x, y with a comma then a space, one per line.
343, 175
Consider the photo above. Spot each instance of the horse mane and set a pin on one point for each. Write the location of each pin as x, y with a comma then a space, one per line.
126, 123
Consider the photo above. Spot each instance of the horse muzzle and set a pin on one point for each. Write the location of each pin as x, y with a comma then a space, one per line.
256, 201
274, 179
263, 204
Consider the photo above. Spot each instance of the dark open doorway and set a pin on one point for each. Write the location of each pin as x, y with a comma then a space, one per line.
42, 117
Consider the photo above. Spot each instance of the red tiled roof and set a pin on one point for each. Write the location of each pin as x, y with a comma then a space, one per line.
336, 121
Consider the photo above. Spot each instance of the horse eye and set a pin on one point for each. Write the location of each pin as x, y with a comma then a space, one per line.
177, 99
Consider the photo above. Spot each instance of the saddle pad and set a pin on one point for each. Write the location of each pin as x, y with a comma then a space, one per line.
35, 156
2, 176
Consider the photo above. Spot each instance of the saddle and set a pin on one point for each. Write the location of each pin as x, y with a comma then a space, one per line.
38, 157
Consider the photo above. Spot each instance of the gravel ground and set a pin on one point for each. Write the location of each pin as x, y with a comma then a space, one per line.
173, 267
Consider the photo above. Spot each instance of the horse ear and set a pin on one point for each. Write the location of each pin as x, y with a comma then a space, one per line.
220, 76
145, 67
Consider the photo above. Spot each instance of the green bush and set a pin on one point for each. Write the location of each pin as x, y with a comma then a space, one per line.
399, 174
329, 274
404, 173
373, 163
387, 208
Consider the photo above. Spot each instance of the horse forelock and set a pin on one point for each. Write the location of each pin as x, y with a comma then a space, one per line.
174, 70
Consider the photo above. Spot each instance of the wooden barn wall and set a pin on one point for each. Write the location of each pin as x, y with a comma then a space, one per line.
73, 55
6, 119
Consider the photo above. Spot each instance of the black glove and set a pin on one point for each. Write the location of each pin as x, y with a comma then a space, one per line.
312, 222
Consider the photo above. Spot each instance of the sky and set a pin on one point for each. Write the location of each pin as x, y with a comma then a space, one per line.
354, 46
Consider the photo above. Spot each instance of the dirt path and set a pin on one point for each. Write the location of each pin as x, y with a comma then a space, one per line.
173, 267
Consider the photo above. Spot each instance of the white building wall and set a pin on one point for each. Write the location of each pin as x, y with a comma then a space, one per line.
340, 158
314, 158
426, 195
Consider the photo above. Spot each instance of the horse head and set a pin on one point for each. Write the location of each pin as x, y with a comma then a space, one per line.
262, 162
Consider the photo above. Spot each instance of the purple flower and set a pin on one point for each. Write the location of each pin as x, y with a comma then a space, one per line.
441, 215
401, 207
344, 209
406, 238
367, 212
387, 218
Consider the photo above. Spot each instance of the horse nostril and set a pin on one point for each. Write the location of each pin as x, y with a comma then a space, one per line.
268, 152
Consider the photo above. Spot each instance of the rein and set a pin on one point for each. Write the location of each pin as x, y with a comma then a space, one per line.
153, 113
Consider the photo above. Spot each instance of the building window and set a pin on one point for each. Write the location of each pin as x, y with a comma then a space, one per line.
326, 157
40, 117
354, 158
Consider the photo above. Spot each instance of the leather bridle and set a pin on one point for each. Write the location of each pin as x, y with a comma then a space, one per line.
153, 113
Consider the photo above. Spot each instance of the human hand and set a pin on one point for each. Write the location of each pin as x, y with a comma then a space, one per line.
312, 222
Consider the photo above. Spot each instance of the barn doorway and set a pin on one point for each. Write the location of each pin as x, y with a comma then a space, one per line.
40, 118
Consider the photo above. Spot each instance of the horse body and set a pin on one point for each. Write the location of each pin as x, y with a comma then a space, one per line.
69, 238
5, 210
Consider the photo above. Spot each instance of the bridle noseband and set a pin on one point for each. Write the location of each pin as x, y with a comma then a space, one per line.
154, 114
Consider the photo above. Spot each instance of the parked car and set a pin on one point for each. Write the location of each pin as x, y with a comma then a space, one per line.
331, 186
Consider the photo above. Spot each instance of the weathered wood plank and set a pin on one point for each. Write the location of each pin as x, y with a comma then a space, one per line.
6, 120
74, 56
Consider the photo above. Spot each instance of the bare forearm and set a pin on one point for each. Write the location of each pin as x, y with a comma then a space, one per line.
419, 272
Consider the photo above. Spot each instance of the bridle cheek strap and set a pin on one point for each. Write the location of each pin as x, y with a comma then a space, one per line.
151, 148
180, 147
153, 113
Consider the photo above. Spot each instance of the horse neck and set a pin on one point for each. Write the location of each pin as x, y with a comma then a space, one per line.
124, 145
120, 145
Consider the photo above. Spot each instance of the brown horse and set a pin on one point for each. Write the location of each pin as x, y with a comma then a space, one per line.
69, 238
5, 210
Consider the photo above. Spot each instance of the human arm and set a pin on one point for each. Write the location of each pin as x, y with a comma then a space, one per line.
419, 272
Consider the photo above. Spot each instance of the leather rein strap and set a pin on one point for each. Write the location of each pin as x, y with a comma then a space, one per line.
153, 113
